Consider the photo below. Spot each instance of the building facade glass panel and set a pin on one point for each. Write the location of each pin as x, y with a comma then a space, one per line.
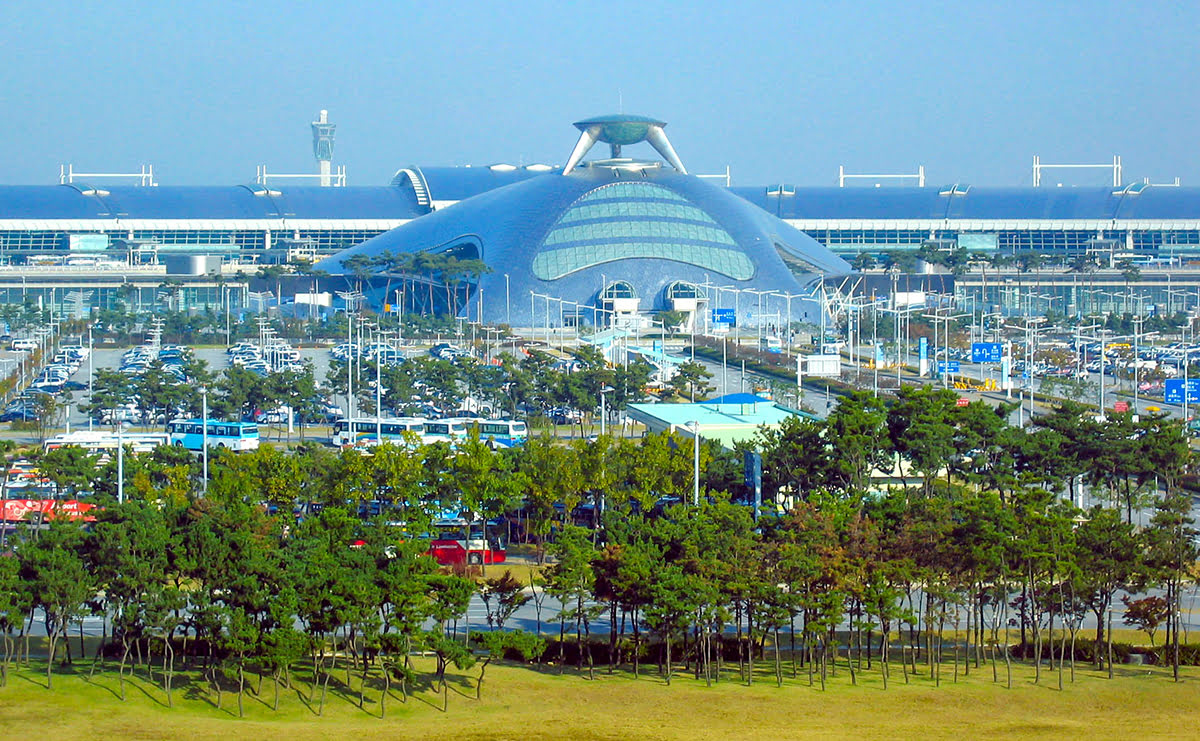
637, 220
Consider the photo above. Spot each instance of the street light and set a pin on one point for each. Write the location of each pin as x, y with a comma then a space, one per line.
90, 350
120, 463
204, 433
349, 298
694, 426
603, 409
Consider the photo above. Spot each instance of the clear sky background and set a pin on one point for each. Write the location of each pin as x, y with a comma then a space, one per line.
779, 91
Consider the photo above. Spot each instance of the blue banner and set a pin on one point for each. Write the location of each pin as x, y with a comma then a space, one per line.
924, 348
986, 352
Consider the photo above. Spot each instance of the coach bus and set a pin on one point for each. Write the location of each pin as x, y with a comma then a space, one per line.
102, 442
501, 433
445, 430
190, 434
373, 430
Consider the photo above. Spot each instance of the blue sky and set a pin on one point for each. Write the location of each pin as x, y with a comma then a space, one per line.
780, 92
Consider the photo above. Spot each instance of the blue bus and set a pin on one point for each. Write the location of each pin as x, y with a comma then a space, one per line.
189, 433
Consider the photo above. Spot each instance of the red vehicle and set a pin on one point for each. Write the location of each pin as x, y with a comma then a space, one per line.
455, 541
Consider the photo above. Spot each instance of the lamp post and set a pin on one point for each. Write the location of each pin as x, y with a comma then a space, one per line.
204, 434
507, 304
604, 409
120, 463
694, 426
90, 349
349, 297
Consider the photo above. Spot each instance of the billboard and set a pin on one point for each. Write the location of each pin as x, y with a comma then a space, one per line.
902, 299
823, 366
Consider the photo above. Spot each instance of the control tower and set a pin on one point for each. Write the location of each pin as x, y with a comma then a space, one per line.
322, 132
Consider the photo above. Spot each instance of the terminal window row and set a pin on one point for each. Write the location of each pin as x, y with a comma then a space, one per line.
556, 263
639, 230
631, 190
627, 208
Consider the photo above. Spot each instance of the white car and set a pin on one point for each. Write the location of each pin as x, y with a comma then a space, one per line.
25, 344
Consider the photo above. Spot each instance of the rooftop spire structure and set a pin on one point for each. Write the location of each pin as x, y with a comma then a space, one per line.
619, 130
322, 132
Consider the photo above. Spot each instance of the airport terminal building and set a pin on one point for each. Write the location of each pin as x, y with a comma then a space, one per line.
596, 241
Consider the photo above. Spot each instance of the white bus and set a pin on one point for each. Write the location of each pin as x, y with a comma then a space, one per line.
366, 430
449, 430
501, 433
190, 434
99, 441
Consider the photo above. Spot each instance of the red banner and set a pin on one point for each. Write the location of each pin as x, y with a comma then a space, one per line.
26, 510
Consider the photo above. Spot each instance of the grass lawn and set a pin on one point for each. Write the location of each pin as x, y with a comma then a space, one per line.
526, 703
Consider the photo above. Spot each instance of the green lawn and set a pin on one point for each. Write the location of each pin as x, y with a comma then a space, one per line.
525, 703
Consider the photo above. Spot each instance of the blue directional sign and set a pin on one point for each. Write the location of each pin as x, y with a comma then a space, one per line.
1173, 391
724, 316
948, 366
986, 352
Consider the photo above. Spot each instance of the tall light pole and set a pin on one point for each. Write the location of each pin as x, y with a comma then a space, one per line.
120, 463
204, 434
349, 297
507, 303
604, 409
90, 350
694, 426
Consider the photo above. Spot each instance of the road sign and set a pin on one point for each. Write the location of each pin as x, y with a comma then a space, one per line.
923, 348
962, 401
1173, 391
724, 316
1121, 406
824, 366
948, 366
986, 352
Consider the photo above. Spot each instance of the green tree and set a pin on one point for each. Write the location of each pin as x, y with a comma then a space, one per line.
59, 580
571, 580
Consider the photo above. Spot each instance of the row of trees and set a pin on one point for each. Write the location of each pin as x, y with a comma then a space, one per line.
226, 587
838, 579
532, 385
983, 544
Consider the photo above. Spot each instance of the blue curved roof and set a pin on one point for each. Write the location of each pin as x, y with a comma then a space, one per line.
509, 227
203, 202
461, 183
966, 202
399, 201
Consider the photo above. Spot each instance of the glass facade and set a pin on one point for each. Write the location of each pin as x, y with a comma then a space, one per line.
625, 221
1052, 241
324, 240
